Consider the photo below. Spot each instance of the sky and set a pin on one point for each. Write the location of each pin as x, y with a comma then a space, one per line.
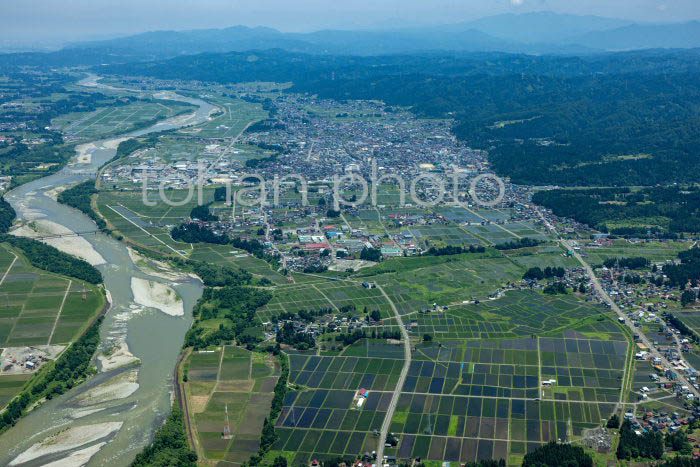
42, 20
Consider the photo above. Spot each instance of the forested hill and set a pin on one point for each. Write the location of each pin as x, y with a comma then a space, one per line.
612, 119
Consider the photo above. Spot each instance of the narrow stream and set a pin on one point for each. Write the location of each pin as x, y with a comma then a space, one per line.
152, 336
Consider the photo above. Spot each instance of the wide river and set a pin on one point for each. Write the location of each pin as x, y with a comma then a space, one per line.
119, 426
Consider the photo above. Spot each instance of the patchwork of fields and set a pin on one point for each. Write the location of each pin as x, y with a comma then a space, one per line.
39, 308
475, 392
36, 309
117, 119
234, 383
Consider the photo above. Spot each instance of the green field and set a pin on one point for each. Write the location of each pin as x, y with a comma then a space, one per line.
38, 308
236, 115
117, 119
234, 381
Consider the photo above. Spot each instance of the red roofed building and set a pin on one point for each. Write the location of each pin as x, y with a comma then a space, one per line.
316, 246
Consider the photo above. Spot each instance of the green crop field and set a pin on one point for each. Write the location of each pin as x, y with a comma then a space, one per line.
237, 114
117, 119
38, 308
234, 382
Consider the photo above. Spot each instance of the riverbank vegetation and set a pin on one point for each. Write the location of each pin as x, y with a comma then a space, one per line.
69, 370
169, 446
80, 198
51, 259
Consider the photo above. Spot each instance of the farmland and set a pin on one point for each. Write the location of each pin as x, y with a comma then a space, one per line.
37, 309
41, 308
235, 116
116, 120
234, 382
474, 392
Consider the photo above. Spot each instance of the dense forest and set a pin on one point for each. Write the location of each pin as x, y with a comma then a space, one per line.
688, 269
7, 216
649, 445
555, 455
662, 211
237, 305
79, 197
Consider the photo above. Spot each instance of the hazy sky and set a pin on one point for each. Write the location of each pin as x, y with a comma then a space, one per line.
72, 19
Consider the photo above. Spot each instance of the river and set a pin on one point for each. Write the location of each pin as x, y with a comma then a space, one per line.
152, 336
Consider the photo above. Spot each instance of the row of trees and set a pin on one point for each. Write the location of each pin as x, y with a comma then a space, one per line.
51, 259
454, 250
524, 242
636, 262
195, 233
549, 272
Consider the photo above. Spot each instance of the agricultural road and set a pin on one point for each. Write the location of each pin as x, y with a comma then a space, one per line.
399, 385
613, 306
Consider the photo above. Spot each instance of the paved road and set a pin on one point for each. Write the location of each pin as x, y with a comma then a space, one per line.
399, 385
613, 306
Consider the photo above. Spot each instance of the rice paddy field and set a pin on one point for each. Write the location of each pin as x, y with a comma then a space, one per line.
324, 295
232, 383
117, 119
38, 308
236, 115
150, 227
478, 392
654, 251
475, 392
323, 421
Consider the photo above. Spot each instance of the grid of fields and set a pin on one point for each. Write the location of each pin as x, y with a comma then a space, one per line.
234, 382
116, 119
236, 116
324, 295
484, 399
518, 313
323, 421
38, 308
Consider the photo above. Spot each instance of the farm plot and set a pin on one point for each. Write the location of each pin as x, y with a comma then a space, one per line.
38, 308
448, 234
654, 251
237, 114
482, 399
150, 226
447, 283
234, 384
118, 119
518, 313
324, 419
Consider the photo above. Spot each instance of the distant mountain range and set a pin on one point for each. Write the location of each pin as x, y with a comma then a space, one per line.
533, 33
